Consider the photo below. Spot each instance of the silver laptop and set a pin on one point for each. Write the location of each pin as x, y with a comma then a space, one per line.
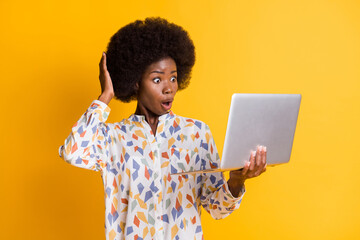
258, 119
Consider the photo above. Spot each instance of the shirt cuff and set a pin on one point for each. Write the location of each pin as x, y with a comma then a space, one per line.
100, 108
103, 105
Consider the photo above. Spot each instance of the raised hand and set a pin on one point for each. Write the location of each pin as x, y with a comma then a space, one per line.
253, 168
107, 89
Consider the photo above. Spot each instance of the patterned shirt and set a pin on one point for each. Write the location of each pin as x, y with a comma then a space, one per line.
142, 199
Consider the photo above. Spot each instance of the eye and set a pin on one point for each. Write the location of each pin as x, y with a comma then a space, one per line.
156, 80
173, 79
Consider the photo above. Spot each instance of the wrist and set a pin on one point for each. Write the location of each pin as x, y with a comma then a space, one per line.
236, 182
106, 97
235, 185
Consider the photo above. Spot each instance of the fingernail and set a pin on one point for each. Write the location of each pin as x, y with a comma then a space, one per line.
264, 149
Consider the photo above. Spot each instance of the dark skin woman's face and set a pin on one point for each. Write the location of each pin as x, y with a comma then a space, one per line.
157, 89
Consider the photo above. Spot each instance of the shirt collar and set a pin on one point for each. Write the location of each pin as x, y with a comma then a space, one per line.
139, 118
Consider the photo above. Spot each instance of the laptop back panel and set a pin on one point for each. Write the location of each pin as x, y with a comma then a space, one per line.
260, 119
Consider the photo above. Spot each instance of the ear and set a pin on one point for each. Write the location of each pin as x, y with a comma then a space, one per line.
136, 87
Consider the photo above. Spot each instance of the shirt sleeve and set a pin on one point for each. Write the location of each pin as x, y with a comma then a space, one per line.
87, 144
216, 197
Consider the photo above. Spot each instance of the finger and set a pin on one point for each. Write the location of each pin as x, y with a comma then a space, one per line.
245, 169
264, 159
101, 63
259, 155
259, 161
104, 61
260, 169
252, 161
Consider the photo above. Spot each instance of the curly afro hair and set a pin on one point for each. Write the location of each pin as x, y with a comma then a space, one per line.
137, 45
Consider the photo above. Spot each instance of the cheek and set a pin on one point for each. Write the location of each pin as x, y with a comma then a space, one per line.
154, 93
176, 88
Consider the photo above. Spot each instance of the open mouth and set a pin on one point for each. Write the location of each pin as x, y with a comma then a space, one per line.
166, 105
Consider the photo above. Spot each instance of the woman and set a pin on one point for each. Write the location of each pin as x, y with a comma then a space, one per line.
149, 61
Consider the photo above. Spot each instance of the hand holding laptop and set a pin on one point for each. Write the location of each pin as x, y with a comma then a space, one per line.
253, 168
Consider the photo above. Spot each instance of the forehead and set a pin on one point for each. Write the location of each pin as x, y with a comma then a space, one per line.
164, 64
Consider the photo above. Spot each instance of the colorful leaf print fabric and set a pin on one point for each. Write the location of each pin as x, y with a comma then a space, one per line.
143, 200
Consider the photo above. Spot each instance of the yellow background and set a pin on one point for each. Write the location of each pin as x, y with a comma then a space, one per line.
49, 75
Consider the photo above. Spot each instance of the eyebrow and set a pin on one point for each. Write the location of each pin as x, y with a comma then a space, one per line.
162, 72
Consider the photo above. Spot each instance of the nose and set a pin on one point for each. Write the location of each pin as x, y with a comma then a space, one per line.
167, 91
167, 88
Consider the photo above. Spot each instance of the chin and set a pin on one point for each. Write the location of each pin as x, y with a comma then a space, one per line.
164, 112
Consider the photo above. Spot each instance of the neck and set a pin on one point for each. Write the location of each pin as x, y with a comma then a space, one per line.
151, 118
